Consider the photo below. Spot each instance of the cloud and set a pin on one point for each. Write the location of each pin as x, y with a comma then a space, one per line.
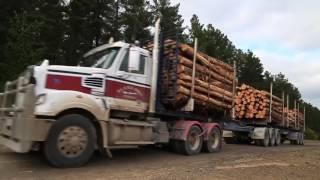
301, 69
284, 34
292, 22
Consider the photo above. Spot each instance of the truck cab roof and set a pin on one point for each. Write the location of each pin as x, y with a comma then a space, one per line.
115, 44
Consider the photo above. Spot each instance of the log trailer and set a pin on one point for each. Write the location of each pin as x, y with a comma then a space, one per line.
262, 118
111, 100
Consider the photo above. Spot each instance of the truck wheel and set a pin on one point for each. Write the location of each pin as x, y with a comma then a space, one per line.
257, 142
293, 142
229, 140
302, 138
174, 146
265, 142
71, 141
193, 144
272, 138
298, 139
278, 139
214, 142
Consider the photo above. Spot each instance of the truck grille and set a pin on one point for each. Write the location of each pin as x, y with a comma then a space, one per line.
93, 82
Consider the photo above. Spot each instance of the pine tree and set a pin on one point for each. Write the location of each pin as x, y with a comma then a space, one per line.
89, 23
24, 44
251, 70
212, 41
171, 21
136, 20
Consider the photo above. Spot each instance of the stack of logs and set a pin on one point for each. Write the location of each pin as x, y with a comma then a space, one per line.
294, 118
213, 83
255, 104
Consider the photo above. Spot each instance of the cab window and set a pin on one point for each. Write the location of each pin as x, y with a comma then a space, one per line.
125, 64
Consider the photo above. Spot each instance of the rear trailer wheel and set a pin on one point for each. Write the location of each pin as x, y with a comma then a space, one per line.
265, 142
278, 138
192, 145
257, 142
302, 138
272, 138
71, 141
214, 142
229, 140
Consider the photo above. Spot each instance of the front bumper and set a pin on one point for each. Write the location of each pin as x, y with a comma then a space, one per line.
19, 127
23, 133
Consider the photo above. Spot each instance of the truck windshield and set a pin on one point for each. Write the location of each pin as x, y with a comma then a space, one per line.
102, 59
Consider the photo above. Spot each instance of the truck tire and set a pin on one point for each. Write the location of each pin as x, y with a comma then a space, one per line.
174, 146
302, 138
278, 139
265, 142
299, 139
214, 142
257, 142
272, 138
294, 142
193, 144
71, 141
229, 140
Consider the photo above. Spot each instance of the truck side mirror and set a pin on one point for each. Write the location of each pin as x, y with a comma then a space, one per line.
134, 60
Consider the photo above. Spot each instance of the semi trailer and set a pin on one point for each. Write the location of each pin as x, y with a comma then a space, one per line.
264, 119
111, 100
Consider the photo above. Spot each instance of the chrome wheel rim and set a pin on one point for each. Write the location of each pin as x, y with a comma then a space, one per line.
194, 140
72, 141
213, 140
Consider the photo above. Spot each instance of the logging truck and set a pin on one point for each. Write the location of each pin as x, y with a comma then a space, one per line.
264, 119
122, 95
119, 96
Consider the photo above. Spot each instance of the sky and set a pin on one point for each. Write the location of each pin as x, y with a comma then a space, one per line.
284, 34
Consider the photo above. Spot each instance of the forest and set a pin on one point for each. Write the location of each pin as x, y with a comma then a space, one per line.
62, 31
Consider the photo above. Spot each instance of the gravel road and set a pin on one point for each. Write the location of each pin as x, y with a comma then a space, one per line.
234, 162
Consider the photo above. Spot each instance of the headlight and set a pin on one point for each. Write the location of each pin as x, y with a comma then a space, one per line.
41, 98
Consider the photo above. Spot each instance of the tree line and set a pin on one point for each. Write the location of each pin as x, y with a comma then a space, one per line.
62, 31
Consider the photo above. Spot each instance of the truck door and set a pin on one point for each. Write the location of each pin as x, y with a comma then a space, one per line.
131, 86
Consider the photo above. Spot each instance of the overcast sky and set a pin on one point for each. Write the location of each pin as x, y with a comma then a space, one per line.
285, 34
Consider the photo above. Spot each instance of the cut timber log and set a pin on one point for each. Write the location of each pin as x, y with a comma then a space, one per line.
212, 84
257, 105
203, 98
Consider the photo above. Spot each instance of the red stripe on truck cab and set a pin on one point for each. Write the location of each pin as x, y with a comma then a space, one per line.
61, 82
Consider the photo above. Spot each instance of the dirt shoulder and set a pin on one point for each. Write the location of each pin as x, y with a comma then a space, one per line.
234, 162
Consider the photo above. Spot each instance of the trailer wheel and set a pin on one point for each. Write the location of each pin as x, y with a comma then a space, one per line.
229, 140
272, 138
71, 141
257, 142
294, 142
278, 138
302, 138
193, 144
265, 142
300, 142
214, 142
174, 146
